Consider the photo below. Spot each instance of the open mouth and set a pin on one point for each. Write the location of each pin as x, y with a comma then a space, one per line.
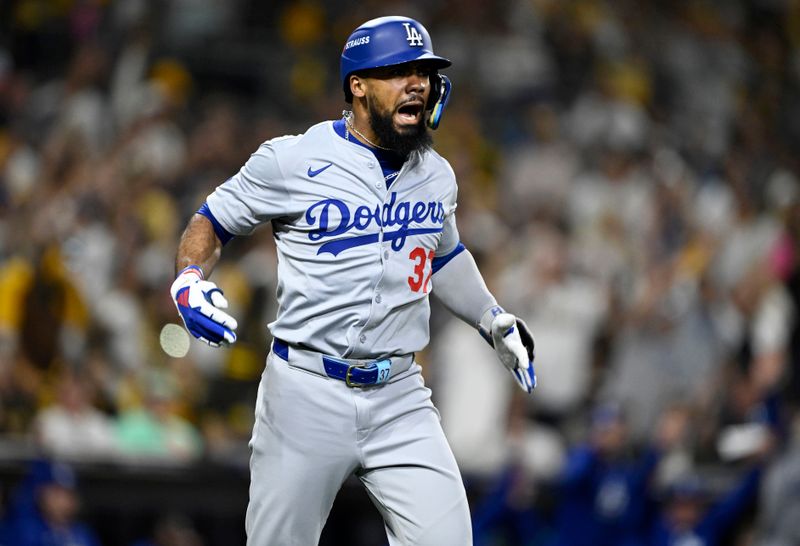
410, 112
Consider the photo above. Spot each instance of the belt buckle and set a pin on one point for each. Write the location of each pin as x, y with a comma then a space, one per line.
353, 384
383, 371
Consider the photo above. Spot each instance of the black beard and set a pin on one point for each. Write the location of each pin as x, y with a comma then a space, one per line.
415, 138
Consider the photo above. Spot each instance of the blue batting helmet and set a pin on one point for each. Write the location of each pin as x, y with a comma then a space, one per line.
386, 41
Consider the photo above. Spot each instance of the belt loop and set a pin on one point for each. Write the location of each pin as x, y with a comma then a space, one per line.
280, 348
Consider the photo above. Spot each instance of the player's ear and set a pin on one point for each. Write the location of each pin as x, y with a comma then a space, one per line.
357, 86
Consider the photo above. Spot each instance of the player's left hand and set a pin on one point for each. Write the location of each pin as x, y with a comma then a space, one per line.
514, 345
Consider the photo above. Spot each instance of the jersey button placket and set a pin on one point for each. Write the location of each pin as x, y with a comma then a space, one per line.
379, 184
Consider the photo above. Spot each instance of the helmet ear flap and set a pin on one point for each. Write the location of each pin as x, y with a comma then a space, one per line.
440, 94
436, 90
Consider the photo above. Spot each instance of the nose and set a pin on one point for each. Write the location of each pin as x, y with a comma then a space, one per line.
416, 83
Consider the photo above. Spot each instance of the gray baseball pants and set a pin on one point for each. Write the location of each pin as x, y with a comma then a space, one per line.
311, 432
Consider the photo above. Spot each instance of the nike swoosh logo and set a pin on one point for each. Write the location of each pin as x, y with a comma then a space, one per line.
312, 173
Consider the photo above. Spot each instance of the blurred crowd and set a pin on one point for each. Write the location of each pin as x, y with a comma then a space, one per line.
627, 183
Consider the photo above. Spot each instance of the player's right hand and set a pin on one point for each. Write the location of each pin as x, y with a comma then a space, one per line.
200, 303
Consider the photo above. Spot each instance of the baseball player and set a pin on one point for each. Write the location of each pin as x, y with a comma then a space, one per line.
363, 214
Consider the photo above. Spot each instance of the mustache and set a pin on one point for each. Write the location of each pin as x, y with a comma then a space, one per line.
412, 98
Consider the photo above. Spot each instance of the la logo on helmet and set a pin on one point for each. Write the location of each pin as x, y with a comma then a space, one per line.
413, 37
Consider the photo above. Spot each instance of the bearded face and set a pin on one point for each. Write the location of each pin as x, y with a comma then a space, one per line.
403, 138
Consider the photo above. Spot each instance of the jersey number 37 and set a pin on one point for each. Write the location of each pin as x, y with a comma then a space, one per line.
420, 280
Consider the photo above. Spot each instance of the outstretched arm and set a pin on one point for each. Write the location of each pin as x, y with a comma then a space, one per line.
460, 287
251, 197
200, 302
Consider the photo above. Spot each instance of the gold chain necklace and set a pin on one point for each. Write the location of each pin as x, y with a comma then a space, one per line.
347, 115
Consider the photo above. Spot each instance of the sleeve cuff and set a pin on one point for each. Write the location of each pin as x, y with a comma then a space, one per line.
222, 234
441, 261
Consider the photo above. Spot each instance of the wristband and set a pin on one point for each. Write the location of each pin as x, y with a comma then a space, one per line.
194, 269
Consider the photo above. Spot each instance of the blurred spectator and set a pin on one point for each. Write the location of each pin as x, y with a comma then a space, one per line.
702, 64
42, 306
515, 507
665, 346
73, 108
690, 515
153, 430
44, 509
602, 490
566, 310
507, 514
539, 171
72, 428
615, 203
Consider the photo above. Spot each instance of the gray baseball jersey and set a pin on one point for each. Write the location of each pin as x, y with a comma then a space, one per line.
355, 261
354, 257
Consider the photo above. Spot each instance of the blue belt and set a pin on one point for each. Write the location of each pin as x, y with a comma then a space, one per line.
360, 374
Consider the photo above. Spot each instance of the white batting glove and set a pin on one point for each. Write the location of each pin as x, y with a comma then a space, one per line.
513, 342
200, 305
